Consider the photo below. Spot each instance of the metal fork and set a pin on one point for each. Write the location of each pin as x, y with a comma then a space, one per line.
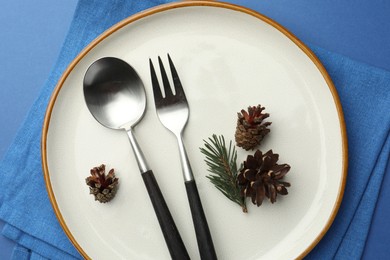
173, 112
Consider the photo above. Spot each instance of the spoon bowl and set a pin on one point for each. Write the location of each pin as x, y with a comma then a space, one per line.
114, 93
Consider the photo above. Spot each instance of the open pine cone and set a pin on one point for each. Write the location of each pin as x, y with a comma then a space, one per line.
251, 129
262, 177
102, 186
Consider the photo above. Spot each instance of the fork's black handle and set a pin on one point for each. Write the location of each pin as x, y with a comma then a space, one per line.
171, 234
203, 236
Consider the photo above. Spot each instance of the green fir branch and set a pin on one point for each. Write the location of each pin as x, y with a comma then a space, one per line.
222, 163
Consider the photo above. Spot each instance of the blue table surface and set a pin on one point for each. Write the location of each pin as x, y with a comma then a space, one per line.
32, 33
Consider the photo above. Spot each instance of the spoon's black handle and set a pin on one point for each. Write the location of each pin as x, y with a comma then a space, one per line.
171, 234
203, 236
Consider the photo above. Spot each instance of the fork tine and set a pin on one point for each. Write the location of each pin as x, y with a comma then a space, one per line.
176, 80
167, 86
156, 86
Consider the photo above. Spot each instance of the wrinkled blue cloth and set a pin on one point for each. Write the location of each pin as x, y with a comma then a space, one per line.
364, 93
365, 96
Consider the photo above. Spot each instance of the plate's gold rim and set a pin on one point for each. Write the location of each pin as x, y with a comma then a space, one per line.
174, 5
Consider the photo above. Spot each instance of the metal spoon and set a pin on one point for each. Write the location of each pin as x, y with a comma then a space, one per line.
115, 96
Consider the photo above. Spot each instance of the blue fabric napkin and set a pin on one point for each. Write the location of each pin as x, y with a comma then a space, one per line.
365, 97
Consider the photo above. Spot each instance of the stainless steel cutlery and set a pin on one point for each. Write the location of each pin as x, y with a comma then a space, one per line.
173, 112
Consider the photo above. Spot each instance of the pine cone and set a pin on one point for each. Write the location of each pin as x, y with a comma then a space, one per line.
262, 177
251, 129
102, 186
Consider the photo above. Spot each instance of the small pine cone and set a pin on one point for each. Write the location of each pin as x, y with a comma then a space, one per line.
262, 177
251, 129
102, 186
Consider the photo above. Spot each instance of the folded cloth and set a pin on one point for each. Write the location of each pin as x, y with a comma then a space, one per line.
364, 93
365, 97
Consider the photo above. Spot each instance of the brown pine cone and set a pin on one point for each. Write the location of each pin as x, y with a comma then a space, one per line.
251, 129
262, 177
102, 186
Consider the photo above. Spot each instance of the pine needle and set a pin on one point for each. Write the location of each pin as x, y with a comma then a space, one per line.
222, 163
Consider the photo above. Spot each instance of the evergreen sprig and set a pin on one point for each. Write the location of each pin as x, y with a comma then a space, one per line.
222, 163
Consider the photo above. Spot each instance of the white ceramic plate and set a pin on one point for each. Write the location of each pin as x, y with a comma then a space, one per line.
228, 58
